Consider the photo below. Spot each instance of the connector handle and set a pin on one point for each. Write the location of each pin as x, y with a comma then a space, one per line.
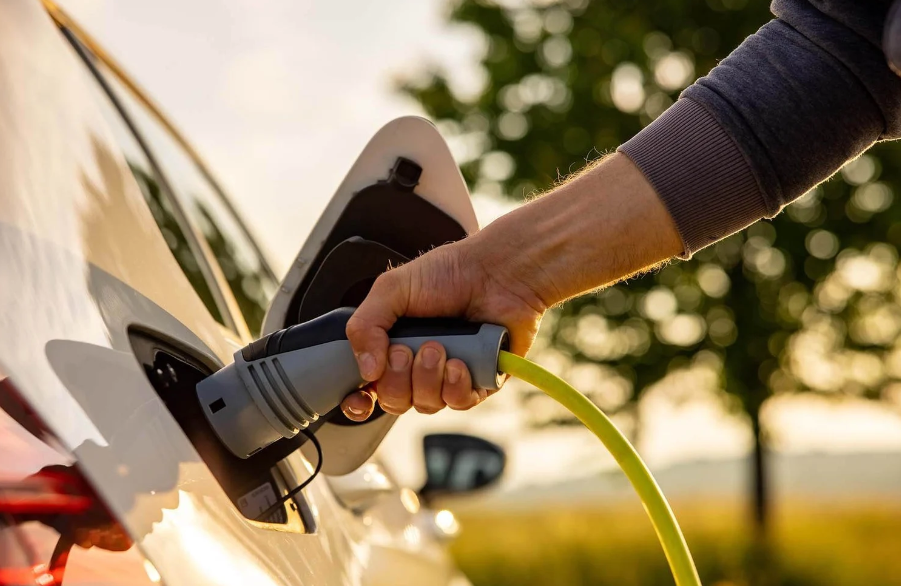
283, 382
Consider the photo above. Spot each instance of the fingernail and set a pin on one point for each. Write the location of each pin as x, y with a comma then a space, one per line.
453, 374
367, 365
398, 360
430, 357
349, 407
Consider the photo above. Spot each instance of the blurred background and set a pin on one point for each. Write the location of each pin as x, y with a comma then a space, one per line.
761, 380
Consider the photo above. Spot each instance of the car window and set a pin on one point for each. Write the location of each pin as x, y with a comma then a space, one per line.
249, 279
160, 203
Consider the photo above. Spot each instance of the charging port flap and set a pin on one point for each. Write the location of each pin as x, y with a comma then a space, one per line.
403, 196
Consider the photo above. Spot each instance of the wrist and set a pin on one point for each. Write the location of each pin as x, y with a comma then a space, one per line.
510, 255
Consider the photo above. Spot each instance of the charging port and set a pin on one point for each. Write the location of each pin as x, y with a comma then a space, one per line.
251, 484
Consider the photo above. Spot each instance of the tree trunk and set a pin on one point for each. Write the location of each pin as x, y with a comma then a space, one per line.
760, 493
760, 563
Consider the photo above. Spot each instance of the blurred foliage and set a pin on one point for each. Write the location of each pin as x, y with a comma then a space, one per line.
171, 230
806, 302
251, 285
567, 80
176, 180
847, 545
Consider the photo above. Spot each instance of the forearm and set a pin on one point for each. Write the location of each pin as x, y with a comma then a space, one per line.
604, 225
783, 112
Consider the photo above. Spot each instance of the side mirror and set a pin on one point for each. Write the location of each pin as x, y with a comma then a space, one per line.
458, 463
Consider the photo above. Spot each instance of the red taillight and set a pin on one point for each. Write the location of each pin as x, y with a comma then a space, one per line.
54, 489
44, 513
37, 575
49, 492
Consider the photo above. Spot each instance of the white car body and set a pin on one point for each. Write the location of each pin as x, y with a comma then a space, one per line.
83, 266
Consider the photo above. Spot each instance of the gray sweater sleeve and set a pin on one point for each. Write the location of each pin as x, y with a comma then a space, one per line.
810, 90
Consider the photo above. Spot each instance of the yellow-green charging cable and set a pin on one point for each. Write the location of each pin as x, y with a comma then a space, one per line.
662, 518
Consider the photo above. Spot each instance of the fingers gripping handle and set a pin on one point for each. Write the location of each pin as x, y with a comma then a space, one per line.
477, 345
283, 382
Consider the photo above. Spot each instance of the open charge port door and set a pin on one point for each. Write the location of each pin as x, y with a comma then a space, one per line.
403, 196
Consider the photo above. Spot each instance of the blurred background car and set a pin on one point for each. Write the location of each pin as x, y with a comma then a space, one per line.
760, 379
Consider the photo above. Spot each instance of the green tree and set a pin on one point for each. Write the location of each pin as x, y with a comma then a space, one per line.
803, 303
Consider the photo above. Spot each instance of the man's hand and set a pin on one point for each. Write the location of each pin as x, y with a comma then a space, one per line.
454, 280
605, 224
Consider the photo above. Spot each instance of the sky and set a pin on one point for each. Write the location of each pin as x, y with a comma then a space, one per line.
279, 97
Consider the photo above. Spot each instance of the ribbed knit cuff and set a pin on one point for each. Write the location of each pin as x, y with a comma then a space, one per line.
700, 174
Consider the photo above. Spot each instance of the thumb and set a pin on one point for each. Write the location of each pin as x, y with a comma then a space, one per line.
367, 329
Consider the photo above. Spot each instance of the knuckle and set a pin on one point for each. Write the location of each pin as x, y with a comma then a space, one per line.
394, 393
460, 399
393, 398
460, 405
428, 398
384, 284
393, 409
355, 326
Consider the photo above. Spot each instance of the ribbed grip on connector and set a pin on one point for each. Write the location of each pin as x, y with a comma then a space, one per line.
275, 387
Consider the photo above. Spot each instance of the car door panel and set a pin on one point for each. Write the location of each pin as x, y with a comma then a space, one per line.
86, 265
83, 262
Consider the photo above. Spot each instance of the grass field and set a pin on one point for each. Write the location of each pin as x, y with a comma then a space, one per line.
810, 544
